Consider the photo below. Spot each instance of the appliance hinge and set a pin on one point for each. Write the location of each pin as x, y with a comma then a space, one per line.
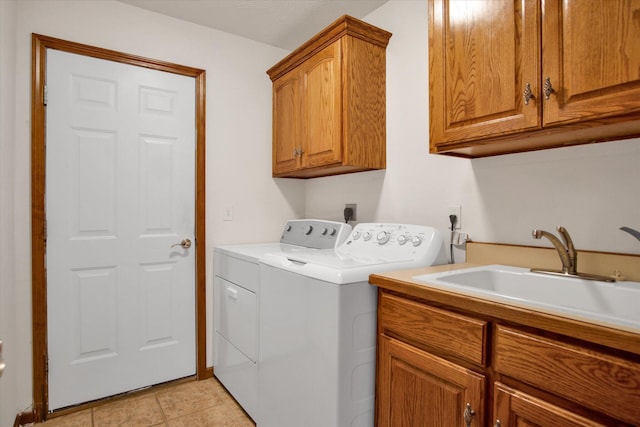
45, 95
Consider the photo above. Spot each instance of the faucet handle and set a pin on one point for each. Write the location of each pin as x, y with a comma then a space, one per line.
571, 250
567, 240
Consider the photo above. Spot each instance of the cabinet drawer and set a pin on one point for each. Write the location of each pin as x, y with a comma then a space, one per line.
434, 329
599, 381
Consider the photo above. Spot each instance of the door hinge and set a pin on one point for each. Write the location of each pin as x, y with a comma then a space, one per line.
46, 364
45, 95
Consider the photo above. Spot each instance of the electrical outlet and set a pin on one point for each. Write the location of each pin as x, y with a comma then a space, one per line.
457, 211
353, 207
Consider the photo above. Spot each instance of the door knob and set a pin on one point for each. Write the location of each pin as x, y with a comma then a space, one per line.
185, 243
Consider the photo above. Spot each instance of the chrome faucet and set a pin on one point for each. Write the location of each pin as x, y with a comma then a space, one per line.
568, 256
567, 252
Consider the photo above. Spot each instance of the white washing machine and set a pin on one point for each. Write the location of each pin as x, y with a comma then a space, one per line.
236, 293
317, 325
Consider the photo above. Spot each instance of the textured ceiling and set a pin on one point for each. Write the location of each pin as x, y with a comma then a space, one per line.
281, 23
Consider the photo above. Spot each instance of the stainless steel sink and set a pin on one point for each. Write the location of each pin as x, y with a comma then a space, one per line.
612, 303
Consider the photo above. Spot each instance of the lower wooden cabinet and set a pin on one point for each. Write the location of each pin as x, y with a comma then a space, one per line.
484, 372
516, 408
416, 388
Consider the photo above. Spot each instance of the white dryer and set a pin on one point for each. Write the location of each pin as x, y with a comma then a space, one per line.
236, 292
317, 325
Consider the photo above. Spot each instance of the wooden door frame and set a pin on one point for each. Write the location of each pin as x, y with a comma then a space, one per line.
40, 44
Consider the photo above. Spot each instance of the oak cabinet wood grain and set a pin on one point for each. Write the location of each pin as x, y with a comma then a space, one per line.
600, 381
329, 107
430, 328
516, 408
508, 76
417, 388
433, 360
287, 120
419, 382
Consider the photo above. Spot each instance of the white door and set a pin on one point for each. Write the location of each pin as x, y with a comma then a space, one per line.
120, 193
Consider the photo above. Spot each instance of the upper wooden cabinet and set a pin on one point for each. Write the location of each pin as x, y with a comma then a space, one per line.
510, 75
329, 103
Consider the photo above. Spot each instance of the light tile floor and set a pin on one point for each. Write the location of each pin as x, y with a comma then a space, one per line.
194, 404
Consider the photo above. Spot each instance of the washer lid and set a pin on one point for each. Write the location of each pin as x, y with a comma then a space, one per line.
335, 270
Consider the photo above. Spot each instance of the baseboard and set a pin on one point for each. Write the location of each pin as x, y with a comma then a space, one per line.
24, 418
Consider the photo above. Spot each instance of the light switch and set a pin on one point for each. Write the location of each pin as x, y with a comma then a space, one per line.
227, 213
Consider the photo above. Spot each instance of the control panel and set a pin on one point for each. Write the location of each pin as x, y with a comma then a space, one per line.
315, 233
393, 241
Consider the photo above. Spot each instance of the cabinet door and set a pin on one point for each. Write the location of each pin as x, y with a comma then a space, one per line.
322, 108
517, 409
482, 56
591, 54
416, 388
287, 139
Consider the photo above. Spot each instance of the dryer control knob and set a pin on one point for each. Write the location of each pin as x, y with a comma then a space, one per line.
416, 241
356, 235
308, 229
402, 239
324, 231
383, 237
366, 236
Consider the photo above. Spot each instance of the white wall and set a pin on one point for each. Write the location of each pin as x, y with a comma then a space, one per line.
592, 190
238, 134
8, 383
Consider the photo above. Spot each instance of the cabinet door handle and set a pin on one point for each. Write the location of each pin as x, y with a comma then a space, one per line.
2, 364
468, 415
527, 95
497, 424
548, 88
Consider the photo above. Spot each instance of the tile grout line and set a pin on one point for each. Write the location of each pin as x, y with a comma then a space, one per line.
164, 416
